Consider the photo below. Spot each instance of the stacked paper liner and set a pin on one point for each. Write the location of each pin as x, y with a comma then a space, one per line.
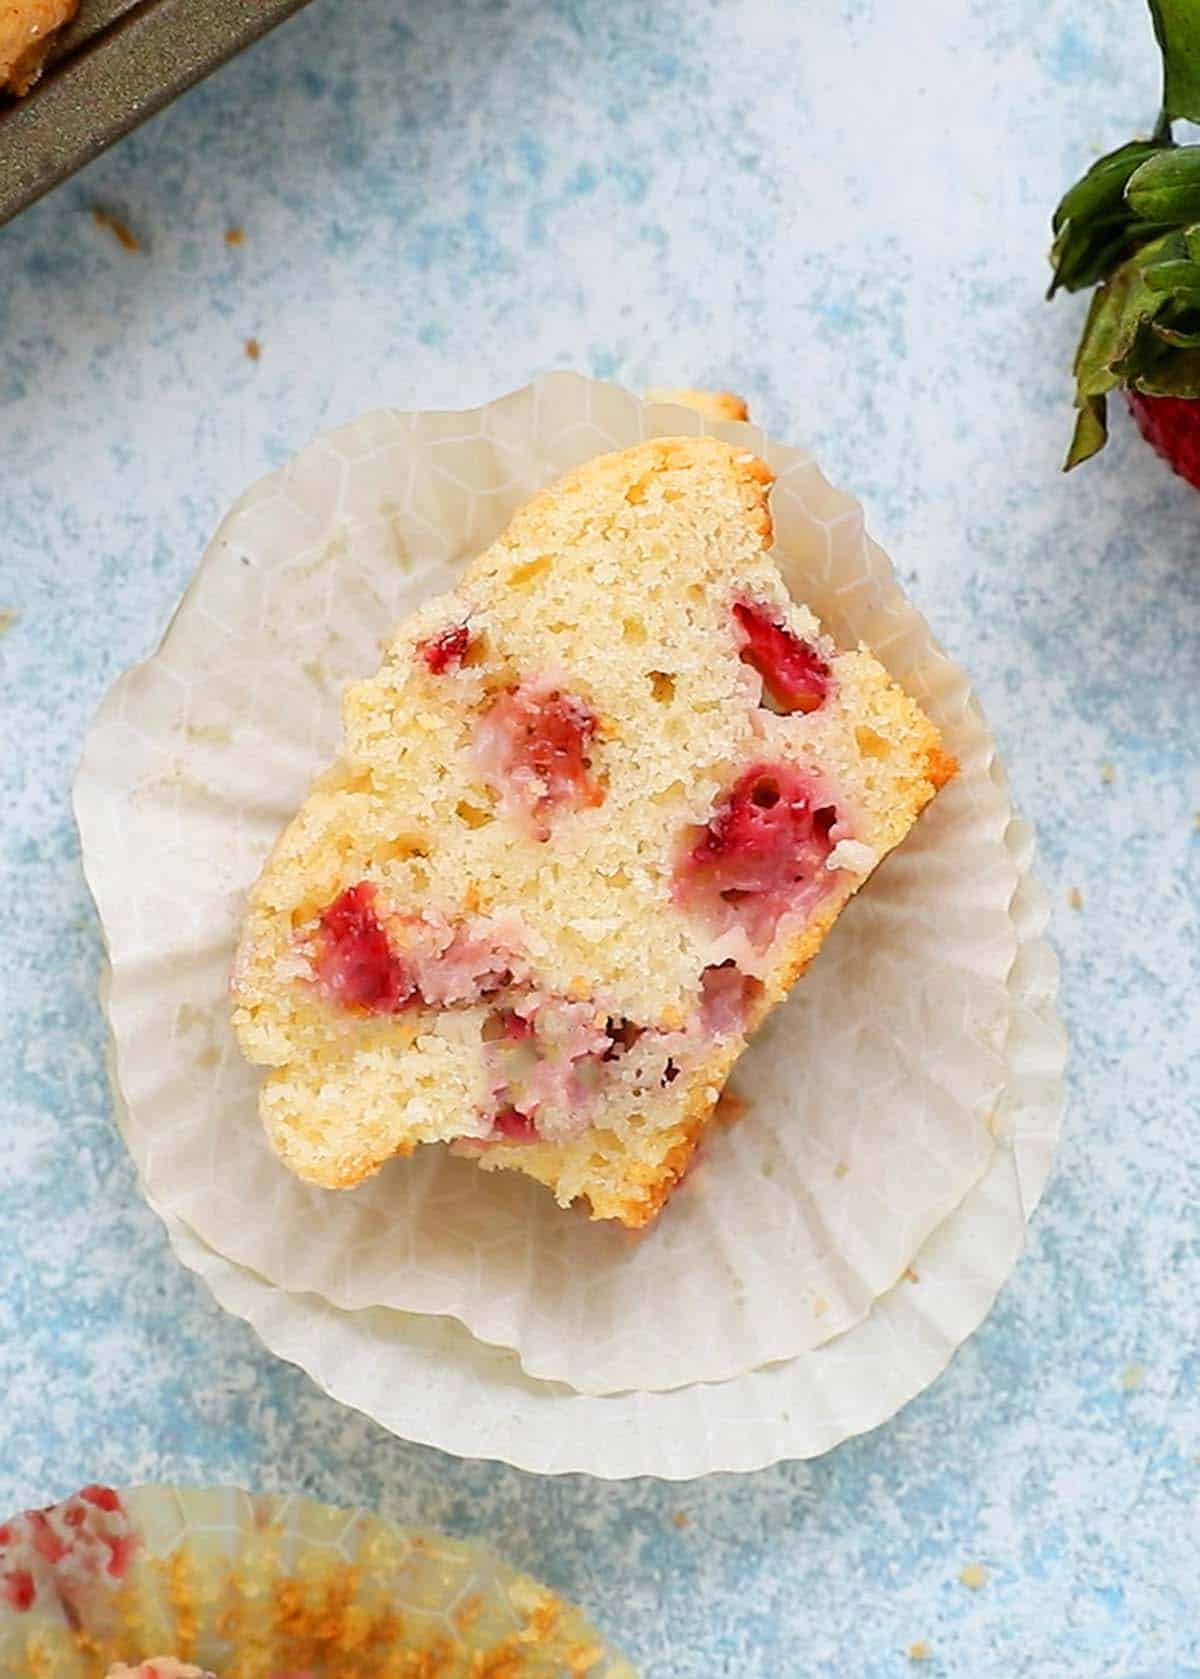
252, 1586
901, 1109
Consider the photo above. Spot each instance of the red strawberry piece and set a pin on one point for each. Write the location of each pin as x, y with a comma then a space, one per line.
18, 1589
45, 1541
120, 1549
354, 962
532, 745
514, 1127
104, 1498
1171, 426
442, 651
763, 851
793, 672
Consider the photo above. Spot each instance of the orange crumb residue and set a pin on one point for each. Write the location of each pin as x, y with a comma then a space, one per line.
730, 1107
504, 1662
840, 1170
911, 1276
921, 1651
680, 1519
541, 1623
253, 349
121, 231
974, 1576
181, 1595
1075, 898
235, 236
468, 1613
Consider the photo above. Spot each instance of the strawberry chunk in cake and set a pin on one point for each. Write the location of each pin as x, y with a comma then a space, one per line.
592, 817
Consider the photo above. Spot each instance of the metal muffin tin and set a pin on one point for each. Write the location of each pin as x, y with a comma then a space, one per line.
116, 64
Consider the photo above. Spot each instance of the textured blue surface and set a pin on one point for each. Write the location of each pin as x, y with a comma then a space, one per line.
841, 212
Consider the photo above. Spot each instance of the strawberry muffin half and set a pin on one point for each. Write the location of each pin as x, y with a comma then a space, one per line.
592, 818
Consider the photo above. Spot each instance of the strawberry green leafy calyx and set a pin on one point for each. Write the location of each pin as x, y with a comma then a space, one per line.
1131, 227
1142, 332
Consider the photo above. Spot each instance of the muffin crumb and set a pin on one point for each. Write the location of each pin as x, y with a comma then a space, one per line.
921, 1651
120, 230
235, 236
253, 349
1075, 898
973, 1577
730, 1107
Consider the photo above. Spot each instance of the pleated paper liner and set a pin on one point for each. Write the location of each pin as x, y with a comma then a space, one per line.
427, 1379
872, 1093
251, 1586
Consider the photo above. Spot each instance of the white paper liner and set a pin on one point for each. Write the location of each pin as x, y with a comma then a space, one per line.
871, 1092
429, 1381
253, 1585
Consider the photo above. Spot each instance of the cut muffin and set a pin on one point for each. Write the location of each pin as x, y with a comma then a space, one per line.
592, 818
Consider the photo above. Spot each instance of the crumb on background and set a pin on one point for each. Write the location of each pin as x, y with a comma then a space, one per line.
235, 236
820, 1306
911, 1276
974, 1576
121, 231
1108, 772
8, 617
921, 1651
1075, 898
1133, 1376
840, 1170
253, 349
680, 1519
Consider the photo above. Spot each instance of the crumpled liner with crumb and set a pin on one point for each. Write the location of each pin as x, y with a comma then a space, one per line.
257, 1586
870, 1096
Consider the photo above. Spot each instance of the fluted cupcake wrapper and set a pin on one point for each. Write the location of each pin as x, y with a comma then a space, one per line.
258, 1586
427, 1379
876, 1094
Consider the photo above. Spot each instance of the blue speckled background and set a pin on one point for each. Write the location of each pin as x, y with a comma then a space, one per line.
840, 210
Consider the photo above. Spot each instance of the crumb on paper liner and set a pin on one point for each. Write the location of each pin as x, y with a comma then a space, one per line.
252, 1586
372, 518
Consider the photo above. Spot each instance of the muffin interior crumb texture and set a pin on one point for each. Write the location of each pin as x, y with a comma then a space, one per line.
592, 817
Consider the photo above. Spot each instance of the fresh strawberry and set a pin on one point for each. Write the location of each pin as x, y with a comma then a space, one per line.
1131, 225
1170, 425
